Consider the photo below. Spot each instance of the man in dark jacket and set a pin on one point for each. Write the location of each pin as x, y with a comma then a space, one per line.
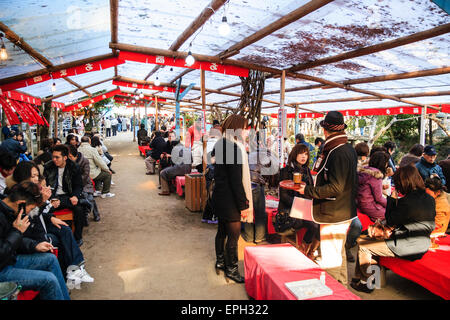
158, 145
64, 177
34, 268
13, 146
334, 194
142, 134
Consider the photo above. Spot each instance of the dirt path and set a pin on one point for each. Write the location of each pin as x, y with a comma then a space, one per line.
151, 247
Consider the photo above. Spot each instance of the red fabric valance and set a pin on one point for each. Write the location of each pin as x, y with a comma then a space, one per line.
167, 61
144, 86
74, 71
88, 101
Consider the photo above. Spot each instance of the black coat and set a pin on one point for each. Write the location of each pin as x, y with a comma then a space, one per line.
336, 187
14, 147
228, 198
158, 146
72, 181
413, 216
11, 240
286, 195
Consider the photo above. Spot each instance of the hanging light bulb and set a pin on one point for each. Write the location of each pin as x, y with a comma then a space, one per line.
133, 101
190, 60
224, 28
3, 53
53, 87
157, 82
71, 94
141, 95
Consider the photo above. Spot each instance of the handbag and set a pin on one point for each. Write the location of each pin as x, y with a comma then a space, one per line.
379, 230
107, 155
282, 222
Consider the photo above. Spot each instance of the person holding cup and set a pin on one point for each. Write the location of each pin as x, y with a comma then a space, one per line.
297, 169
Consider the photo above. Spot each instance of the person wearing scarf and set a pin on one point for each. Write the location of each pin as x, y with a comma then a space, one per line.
232, 194
333, 194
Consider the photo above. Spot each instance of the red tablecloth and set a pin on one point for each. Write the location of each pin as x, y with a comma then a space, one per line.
365, 220
269, 267
432, 271
270, 213
180, 182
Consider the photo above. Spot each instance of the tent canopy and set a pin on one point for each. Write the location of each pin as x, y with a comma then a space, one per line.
64, 32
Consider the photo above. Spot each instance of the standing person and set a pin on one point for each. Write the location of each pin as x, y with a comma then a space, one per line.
7, 166
108, 127
99, 171
119, 123
413, 156
334, 194
64, 177
409, 223
427, 165
232, 195
114, 124
38, 270
390, 147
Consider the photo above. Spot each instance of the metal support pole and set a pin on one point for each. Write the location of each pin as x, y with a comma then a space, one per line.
134, 124
296, 119
156, 114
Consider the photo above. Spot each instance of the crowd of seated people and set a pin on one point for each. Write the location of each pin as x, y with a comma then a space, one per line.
62, 176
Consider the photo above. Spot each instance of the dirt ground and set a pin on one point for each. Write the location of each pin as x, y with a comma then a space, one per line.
151, 247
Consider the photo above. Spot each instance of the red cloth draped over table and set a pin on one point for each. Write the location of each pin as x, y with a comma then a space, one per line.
269, 267
73, 71
167, 61
10, 114
432, 271
88, 101
271, 212
371, 112
144, 86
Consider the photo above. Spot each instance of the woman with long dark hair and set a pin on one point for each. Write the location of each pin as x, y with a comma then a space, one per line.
407, 230
232, 195
298, 162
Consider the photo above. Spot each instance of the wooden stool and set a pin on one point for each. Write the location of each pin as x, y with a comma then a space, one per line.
65, 215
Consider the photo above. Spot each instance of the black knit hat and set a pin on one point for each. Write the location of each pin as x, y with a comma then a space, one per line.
334, 121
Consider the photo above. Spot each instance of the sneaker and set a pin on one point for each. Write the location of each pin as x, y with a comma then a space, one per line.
97, 193
107, 195
78, 273
73, 282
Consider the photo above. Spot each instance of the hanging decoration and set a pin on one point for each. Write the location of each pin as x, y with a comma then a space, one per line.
174, 62
21, 97
144, 86
372, 112
74, 71
88, 101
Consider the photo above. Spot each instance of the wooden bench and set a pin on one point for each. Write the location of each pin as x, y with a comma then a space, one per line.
65, 215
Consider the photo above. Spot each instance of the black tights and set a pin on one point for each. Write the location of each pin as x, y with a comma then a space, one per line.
230, 231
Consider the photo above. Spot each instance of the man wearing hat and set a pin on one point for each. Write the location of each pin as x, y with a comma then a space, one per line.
428, 167
334, 194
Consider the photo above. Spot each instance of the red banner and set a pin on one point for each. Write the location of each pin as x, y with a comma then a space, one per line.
23, 112
10, 114
88, 101
167, 61
58, 105
372, 112
131, 97
144, 86
22, 97
74, 71
35, 111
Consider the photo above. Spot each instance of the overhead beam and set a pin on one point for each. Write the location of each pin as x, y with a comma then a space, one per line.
346, 87
207, 12
389, 77
431, 33
79, 89
406, 95
19, 42
269, 29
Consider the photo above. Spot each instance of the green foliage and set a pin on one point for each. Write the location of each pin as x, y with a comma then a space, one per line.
189, 119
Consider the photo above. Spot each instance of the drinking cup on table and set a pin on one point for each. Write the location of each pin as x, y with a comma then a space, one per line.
297, 178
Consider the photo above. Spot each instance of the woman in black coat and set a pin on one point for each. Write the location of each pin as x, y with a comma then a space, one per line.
230, 199
298, 162
409, 219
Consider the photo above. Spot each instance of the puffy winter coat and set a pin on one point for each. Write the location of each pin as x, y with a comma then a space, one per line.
370, 198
